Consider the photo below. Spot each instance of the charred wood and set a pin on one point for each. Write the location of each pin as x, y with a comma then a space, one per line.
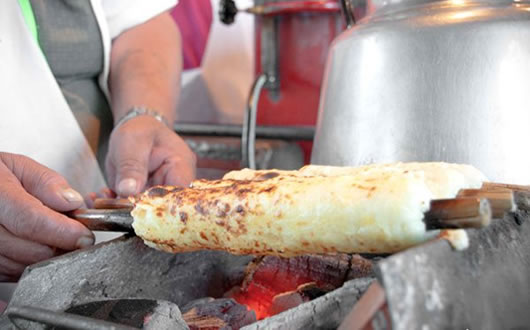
209, 313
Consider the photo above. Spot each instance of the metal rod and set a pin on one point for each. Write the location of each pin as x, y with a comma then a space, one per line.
293, 7
347, 11
262, 132
248, 136
270, 55
61, 319
228, 9
119, 220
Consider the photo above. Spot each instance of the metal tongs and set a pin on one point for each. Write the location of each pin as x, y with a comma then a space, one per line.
107, 215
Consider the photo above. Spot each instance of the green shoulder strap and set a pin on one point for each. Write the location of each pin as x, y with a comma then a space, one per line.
29, 17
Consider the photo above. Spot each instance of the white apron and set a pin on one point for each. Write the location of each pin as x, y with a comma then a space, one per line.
35, 120
218, 90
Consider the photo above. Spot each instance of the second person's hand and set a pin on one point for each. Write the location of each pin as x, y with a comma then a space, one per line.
144, 152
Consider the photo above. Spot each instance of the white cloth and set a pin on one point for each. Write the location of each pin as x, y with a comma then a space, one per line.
34, 117
228, 63
218, 90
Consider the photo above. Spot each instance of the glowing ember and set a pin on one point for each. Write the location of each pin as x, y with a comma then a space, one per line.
209, 313
273, 277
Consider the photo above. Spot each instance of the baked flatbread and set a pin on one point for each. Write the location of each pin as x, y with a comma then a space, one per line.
317, 209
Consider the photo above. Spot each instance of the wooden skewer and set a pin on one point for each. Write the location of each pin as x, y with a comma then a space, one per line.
501, 200
458, 213
521, 193
496, 186
112, 203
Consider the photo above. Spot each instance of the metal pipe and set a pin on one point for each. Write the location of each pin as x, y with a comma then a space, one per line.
293, 7
248, 136
262, 132
61, 319
347, 11
119, 220
228, 9
270, 55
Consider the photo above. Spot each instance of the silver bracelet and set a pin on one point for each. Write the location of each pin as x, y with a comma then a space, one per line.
141, 111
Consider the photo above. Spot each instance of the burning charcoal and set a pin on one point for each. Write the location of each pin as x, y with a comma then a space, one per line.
209, 313
304, 293
285, 301
271, 276
310, 291
360, 267
286, 274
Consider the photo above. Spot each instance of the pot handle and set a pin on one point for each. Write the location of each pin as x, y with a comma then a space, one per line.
347, 11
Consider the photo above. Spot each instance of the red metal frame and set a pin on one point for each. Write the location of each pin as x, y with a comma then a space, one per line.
303, 42
294, 7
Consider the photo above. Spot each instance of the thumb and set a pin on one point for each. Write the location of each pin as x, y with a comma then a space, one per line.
43, 183
131, 170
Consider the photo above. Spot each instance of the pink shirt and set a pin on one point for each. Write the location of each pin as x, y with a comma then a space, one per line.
194, 18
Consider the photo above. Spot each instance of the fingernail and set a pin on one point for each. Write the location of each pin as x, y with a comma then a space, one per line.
127, 187
84, 242
71, 195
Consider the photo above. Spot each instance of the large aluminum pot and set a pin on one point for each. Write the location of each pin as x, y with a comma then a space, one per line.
431, 81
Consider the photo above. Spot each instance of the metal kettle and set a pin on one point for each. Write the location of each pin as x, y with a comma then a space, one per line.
419, 80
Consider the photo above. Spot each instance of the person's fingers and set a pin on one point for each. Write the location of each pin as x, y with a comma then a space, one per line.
179, 176
90, 198
10, 270
23, 251
129, 154
173, 171
171, 163
110, 170
43, 183
106, 193
26, 217
143, 152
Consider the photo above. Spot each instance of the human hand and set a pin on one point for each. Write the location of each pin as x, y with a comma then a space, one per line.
143, 152
31, 227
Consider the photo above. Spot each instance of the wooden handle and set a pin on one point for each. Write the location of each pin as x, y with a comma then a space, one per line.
458, 213
501, 200
496, 186
112, 203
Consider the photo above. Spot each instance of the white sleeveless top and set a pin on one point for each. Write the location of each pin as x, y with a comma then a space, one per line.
35, 119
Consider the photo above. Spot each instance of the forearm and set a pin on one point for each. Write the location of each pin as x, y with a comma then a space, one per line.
145, 68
